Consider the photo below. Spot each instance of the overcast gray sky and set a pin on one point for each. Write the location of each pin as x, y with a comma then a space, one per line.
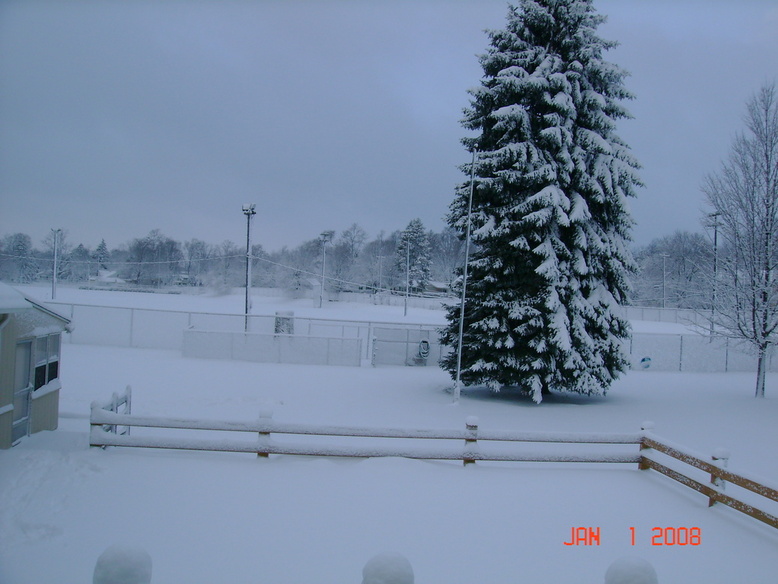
118, 117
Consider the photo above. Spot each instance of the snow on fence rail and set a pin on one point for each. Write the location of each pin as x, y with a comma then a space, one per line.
663, 456
104, 421
117, 401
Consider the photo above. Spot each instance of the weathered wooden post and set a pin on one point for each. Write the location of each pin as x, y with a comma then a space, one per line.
263, 437
471, 440
720, 459
645, 428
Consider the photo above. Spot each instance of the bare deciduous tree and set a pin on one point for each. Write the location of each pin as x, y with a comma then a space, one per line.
744, 194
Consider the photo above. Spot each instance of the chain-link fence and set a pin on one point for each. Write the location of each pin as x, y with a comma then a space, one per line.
378, 343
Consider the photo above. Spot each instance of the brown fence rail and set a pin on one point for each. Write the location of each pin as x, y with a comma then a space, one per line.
719, 476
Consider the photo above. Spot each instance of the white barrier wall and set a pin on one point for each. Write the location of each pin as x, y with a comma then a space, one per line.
272, 348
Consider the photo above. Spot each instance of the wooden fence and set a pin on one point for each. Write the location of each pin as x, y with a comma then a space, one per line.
104, 421
650, 445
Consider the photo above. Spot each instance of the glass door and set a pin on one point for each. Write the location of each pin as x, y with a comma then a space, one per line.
22, 391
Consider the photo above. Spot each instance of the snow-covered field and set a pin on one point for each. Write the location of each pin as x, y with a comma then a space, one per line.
215, 517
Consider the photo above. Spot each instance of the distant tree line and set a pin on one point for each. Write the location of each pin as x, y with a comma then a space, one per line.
674, 271
414, 257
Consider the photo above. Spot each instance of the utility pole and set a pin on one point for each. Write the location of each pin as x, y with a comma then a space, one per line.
325, 237
407, 273
249, 211
714, 299
56, 257
664, 280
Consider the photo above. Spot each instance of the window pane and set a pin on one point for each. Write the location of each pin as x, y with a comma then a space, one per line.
53, 370
41, 350
40, 376
53, 347
22, 371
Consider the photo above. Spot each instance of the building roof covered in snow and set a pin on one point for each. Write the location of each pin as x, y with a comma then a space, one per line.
11, 301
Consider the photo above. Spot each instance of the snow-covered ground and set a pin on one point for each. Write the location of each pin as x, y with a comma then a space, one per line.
215, 517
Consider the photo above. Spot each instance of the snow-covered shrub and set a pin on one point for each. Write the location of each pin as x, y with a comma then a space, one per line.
387, 568
123, 565
631, 570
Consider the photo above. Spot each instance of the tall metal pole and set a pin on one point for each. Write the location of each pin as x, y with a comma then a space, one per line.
407, 273
380, 269
325, 237
56, 257
715, 217
249, 211
458, 383
664, 280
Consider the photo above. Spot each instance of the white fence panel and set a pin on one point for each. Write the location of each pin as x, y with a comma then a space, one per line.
408, 346
381, 343
158, 329
101, 325
701, 355
658, 352
272, 348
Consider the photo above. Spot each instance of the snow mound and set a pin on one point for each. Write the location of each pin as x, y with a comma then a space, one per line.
123, 565
630, 570
388, 568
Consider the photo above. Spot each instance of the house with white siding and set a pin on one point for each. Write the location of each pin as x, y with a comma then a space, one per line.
30, 340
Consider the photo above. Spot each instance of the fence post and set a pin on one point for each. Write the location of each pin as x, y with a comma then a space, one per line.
721, 459
680, 354
645, 428
471, 440
114, 409
263, 438
128, 405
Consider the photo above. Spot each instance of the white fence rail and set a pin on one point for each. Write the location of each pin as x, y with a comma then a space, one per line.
470, 439
474, 445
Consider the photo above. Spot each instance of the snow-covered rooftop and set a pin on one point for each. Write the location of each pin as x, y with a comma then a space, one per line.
12, 300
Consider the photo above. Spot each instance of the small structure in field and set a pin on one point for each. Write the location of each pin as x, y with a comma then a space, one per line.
30, 339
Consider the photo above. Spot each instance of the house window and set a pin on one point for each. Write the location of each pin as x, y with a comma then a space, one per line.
46, 359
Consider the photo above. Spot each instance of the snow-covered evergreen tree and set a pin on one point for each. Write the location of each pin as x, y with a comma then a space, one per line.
101, 255
550, 218
412, 257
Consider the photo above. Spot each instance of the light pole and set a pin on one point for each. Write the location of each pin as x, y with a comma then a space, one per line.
458, 383
407, 273
249, 212
664, 279
56, 233
380, 270
325, 238
715, 217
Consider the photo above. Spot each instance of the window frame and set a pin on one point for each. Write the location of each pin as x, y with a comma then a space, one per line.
46, 364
